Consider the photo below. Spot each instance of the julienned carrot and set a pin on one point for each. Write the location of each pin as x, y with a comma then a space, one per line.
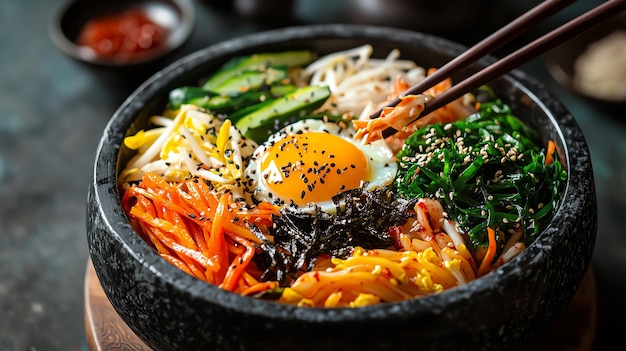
199, 231
197, 234
178, 263
259, 287
218, 251
161, 230
550, 152
491, 251
194, 261
164, 206
240, 231
239, 264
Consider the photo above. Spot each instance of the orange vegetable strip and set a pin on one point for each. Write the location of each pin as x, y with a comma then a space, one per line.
158, 244
156, 196
491, 251
197, 234
165, 209
194, 241
240, 231
141, 200
267, 206
194, 267
204, 193
218, 252
238, 265
172, 196
236, 249
177, 263
199, 203
241, 286
182, 234
196, 195
187, 254
209, 210
141, 203
256, 214
550, 152
259, 287
158, 224
177, 232
248, 278
209, 276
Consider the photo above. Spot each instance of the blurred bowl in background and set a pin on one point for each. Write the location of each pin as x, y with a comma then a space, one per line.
593, 64
277, 10
459, 19
122, 33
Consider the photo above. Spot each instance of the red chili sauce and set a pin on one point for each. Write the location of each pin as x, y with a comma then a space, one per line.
122, 35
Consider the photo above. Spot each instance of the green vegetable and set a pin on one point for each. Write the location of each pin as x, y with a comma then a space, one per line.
251, 80
227, 104
235, 104
257, 62
243, 106
256, 94
266, 119
486, 170
184, 95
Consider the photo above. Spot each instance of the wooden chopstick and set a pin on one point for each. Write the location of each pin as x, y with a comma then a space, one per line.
486, 46
513, 60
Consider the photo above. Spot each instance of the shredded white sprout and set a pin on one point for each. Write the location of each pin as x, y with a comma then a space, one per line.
509, 254
194, 143
357, 80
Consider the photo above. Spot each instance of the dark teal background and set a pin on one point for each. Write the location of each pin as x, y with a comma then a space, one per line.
53, 111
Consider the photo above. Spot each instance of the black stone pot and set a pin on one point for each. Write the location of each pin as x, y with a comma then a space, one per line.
509, 308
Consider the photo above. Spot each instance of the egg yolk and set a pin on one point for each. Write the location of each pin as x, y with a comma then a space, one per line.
313, 167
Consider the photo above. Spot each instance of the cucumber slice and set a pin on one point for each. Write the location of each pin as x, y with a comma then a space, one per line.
251, 80
275, 92
229, 104
265, 130
257, 125
256, 62
185, 95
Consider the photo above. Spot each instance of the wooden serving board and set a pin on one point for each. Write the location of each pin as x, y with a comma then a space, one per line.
574, 331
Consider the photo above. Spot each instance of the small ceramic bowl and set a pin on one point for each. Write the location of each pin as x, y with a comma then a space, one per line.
508, 309
175, 17
562, 63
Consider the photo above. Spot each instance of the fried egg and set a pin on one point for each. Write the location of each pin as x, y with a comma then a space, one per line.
310, 161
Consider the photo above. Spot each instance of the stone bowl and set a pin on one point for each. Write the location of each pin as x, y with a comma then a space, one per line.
508, 309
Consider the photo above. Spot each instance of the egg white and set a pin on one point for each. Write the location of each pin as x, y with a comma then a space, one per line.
381, 160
